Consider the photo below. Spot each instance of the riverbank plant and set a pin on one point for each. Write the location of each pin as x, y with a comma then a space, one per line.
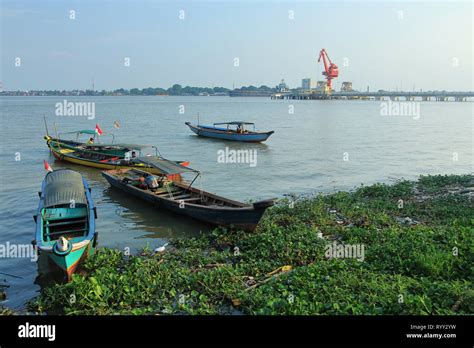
415, 256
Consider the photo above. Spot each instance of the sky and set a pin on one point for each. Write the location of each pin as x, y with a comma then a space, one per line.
390, 45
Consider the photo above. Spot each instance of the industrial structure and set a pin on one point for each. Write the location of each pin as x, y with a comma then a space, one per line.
331, 71
346, 86
324, 89
307, 84
383, 95
282, 87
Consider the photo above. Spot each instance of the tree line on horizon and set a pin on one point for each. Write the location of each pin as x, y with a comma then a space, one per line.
174, 90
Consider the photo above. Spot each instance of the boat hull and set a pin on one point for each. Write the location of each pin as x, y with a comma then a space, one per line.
69, 263
245, 217
251, 137
73, 145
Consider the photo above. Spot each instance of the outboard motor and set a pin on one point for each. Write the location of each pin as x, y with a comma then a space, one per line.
62, 246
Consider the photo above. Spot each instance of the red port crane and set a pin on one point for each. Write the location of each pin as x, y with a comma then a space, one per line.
331, 71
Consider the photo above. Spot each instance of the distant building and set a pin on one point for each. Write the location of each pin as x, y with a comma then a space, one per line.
282, 87
346, 86
308, 84
321, 86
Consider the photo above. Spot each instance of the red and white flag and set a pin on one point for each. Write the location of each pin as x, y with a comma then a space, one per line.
98, 130
47, 166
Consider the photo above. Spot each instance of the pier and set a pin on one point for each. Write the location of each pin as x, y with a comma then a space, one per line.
379, 95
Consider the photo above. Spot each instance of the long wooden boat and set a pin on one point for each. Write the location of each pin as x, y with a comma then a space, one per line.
65, 220
115, 149
234, 131
100, 160
181, 198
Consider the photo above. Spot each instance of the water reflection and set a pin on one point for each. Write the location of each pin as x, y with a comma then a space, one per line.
157, 222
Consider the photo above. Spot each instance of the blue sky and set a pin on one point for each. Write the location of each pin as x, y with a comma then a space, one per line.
386, 45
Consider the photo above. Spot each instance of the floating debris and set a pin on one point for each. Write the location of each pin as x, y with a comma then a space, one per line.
406, 221
161, 248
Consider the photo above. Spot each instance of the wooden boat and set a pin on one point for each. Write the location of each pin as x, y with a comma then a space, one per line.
65, 220
105, 161
120, 150
234, 131
180, 197
115, 149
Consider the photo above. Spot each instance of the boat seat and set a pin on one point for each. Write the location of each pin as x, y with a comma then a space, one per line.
167, 193
191, 199
60, 213
159, 191
66, 223
75, 230
186, 195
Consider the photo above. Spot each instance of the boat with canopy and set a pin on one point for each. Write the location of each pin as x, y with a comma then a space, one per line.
234, 131
112, 148
65, 220
101, 160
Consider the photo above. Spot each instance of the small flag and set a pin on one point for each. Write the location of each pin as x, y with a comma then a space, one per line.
98, 130
116, 124
47, 166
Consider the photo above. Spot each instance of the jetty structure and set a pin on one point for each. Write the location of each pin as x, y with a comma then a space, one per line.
443, 96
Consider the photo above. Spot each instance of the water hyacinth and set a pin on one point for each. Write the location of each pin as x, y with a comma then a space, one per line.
282, 268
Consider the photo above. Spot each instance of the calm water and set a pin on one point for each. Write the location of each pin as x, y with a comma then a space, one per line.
306, 154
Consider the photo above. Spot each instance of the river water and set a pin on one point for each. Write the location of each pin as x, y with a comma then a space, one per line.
318, 146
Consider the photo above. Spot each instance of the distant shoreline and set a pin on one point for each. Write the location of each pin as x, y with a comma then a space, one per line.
175, 90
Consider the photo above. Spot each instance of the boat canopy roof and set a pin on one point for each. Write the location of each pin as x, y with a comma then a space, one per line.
130, 146
64, 186
166, 166
83, 131
235, 123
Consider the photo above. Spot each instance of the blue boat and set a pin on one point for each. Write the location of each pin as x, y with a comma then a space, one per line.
235, 131
65, 220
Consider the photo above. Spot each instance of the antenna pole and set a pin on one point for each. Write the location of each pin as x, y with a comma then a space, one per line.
57, 136
45, 125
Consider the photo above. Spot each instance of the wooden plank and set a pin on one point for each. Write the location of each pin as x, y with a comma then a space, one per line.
68, 231
69, 222
191, 199
167, 193
186, 195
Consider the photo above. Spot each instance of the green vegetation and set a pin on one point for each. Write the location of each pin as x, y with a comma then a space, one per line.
418, 259
5, 311
3, 296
